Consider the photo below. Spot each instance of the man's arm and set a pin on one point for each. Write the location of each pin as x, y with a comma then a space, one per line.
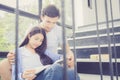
53, 56
11, 57
70, 56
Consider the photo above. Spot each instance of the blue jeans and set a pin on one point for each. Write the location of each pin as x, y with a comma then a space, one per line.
71, 75
55, 72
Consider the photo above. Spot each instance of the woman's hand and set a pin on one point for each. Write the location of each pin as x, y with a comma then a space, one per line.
11, 57
29, 74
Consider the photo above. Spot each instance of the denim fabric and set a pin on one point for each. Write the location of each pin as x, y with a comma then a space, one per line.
71, 75
55, 72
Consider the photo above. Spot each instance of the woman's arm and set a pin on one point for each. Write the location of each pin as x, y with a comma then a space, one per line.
29, 74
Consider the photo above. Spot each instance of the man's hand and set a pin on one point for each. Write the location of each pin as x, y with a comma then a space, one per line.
70, 59
11, 57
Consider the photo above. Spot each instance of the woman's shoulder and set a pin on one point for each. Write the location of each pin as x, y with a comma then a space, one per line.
21, 49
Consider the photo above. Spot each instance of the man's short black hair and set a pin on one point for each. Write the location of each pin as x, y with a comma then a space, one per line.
50, 11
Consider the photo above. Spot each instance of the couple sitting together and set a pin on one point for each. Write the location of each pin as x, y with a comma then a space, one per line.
37, 54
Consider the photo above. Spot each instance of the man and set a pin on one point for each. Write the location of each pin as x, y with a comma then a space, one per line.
49, 16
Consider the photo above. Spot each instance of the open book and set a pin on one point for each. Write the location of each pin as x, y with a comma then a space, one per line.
60, 61
41, 68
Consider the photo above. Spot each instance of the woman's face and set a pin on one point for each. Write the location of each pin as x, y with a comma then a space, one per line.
36, 40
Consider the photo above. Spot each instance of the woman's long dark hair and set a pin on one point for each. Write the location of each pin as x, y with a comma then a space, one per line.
41, 49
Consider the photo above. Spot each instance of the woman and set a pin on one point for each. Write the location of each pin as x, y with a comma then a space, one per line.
31, 57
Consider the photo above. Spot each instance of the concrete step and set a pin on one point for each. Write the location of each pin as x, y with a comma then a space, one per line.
96, 77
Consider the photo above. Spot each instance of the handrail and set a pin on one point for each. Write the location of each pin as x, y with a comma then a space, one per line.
100, 23
3, 54
22, 13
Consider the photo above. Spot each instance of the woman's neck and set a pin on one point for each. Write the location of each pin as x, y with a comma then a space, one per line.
30, 48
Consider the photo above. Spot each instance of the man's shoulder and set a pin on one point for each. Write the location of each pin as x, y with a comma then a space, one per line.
57, 28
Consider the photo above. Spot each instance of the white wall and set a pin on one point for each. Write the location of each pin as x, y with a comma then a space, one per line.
84, 15
79, 13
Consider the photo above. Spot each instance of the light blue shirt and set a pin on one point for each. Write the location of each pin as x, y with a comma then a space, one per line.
54, 39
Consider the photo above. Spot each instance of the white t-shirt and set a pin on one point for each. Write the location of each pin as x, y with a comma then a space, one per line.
29, 60
54, 39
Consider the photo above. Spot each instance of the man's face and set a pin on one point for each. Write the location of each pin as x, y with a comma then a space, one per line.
49, 22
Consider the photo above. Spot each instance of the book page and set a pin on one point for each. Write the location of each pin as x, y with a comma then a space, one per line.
41, 68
